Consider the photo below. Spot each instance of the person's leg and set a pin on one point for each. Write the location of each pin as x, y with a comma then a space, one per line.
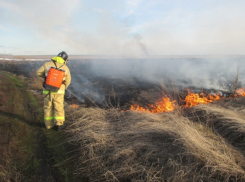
48, 112
59, 113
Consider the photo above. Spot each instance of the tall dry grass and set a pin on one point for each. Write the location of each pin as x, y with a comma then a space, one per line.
10, 153
134, 146
227, 121
35, 82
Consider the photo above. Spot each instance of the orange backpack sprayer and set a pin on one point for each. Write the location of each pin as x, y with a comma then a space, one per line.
54, 79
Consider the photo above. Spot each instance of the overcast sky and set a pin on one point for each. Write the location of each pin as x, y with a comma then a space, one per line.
122, 27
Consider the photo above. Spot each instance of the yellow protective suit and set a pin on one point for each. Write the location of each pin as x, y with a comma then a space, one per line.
54, 105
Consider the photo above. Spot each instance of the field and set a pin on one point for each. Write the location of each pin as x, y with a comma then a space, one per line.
115, 129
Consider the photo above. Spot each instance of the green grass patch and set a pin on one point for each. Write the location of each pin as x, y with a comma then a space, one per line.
55, 142
25, 160
13, 79
58, 147
21, 120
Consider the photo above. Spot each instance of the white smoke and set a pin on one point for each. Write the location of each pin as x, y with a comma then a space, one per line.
84, 89
209, 73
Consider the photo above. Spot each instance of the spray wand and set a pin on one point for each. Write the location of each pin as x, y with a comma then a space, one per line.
74, 95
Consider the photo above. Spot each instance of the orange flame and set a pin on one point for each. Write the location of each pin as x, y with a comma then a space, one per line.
165, 105
194, 99
162, 105
240, 92
74, 106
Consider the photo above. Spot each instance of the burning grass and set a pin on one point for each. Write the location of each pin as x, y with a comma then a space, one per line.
162, 105
132, 146
165, 104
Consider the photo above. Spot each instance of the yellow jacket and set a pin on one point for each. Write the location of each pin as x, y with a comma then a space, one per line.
60, 62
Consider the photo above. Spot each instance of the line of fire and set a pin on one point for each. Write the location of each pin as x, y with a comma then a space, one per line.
165, 104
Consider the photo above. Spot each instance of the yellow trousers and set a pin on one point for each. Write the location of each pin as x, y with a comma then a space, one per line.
54, 113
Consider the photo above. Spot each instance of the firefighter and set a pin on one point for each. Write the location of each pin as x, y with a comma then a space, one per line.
54, 114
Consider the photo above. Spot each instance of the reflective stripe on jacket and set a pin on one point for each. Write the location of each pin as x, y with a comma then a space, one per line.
59, 92
43, 72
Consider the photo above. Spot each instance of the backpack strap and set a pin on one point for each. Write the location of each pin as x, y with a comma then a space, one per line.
55, 64
49, 94
61, 66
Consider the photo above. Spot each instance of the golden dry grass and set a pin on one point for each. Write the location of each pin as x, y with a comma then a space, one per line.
8, 171
134, 146
35, 82
226, 120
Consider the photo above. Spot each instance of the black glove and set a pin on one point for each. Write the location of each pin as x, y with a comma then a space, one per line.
44, 82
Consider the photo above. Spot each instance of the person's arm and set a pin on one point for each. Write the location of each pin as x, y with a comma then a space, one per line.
67, 79
41, 71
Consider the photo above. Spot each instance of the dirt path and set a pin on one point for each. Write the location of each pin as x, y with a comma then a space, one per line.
24, 143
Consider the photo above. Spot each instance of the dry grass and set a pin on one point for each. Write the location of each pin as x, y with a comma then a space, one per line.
35, 82
226, 121
134, 146
12, 155
8, 171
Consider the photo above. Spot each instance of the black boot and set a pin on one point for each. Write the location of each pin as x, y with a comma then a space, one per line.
56, 127
61, 127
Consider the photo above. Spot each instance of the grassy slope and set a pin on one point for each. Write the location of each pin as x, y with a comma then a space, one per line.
29, 151
133, 146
